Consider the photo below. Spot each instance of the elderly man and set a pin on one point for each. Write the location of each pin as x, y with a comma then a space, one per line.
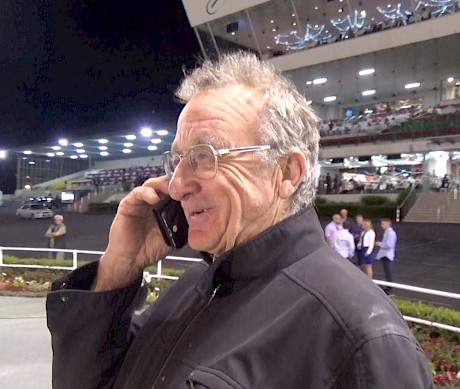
56, 234
275, 306
347, 222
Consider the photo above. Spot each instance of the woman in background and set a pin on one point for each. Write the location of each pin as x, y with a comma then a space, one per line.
366, 248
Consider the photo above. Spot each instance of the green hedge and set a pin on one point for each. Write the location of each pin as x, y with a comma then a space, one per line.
371, 211
375, 200
11, 260
428, 312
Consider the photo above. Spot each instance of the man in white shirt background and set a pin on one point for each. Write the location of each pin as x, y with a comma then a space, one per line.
332, 227
386, 253
344, 243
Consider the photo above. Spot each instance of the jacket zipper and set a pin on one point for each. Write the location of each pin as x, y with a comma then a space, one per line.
182, 335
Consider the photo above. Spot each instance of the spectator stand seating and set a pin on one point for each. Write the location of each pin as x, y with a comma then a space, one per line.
123, 179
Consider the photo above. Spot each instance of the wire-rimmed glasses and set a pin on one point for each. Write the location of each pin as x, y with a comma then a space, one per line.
203, 159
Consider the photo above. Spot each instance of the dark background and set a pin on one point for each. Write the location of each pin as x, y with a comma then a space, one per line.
74, 67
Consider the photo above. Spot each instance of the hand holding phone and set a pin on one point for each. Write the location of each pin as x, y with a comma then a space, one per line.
172, 222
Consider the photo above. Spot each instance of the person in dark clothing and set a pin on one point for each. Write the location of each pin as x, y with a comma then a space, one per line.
328, 183
272, 305
445, 181
357, 231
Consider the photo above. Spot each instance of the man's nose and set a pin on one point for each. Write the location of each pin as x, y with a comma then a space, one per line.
183, 183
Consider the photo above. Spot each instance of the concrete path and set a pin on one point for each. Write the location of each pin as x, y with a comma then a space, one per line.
25, 344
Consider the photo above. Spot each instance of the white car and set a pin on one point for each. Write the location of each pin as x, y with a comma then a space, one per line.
34, 211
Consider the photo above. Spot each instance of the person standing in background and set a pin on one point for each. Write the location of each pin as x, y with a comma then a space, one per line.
328, 183
56, 235
332, 227
343, 242
366, 244
347, 222
387, 252
356, 231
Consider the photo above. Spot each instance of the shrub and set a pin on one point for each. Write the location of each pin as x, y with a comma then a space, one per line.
431, 313
370, 211
320, 200
44, 275
374, 200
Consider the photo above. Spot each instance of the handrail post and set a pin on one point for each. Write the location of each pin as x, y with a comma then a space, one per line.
74, 259
159, 265
1, 255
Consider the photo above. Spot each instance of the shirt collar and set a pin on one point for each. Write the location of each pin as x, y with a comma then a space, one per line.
275, 248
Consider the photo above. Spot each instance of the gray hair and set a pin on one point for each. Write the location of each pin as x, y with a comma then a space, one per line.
287, 120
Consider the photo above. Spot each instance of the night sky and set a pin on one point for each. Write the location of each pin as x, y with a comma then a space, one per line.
74, 67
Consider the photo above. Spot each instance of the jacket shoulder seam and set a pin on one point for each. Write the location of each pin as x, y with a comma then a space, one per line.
324, 302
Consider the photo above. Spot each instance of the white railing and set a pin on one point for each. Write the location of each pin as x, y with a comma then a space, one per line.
75, 256
432, 292
159, 275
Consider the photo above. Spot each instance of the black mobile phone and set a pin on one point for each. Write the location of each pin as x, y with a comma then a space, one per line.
172, 222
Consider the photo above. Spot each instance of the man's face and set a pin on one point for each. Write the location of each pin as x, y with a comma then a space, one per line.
337, 219
359, 219
344, 213
58, 221
384, 224
242, 199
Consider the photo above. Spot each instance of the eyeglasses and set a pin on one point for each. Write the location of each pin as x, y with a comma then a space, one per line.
202, 159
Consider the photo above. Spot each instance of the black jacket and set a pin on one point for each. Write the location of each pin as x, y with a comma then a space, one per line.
281, 311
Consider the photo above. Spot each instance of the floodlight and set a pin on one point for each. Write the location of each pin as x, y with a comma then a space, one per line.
330, 98
319, 81
366, 72
146, 132
412, 85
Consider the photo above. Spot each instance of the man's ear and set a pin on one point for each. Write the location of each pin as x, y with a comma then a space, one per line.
294, 169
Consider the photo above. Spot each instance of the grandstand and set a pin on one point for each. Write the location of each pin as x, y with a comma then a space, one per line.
384, 80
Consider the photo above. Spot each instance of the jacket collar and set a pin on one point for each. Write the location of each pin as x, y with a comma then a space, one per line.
275, 248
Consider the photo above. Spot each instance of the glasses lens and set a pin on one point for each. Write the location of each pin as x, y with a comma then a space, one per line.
203, 161
170, 162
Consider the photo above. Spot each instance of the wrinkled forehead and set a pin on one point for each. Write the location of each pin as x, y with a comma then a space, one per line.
221, 117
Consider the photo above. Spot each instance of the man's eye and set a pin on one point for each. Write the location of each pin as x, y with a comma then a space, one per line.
175, 160
202, 156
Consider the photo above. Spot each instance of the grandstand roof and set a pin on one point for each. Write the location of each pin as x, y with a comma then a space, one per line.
434, 64
323, 45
